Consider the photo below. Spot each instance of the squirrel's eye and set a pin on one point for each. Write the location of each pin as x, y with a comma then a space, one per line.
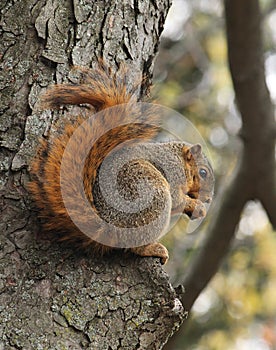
203, 173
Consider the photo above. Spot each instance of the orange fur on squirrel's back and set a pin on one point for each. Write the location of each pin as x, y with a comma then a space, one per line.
102, 89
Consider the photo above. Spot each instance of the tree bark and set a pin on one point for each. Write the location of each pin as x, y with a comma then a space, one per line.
51, 296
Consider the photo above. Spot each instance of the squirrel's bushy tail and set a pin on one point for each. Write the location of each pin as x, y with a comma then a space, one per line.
100, 87
101, 133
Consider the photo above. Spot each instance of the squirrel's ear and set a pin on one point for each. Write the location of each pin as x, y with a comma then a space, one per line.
196, 149
193, 151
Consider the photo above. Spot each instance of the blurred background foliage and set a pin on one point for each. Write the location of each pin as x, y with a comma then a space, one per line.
237, 310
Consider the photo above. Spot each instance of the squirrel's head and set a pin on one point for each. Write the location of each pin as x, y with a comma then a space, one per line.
197, 192
199, 174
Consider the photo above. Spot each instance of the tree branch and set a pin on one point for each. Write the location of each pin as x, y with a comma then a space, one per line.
243, 19
247, 68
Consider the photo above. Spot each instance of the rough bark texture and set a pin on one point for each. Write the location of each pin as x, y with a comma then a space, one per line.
50, 296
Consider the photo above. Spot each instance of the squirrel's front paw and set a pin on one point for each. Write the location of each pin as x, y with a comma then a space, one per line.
194, 208
199, 211
153, 249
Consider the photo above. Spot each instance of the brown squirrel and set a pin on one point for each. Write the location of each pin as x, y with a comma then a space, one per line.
145, 181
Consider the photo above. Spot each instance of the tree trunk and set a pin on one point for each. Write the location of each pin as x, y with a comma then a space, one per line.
51, 296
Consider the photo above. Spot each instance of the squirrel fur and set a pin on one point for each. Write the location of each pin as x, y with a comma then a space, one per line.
178, 175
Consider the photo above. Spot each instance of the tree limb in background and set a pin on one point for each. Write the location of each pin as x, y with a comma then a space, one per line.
255, 176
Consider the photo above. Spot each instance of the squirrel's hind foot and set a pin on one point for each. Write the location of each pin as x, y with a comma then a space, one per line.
154, 250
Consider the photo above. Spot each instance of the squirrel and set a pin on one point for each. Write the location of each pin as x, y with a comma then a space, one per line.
103, 182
